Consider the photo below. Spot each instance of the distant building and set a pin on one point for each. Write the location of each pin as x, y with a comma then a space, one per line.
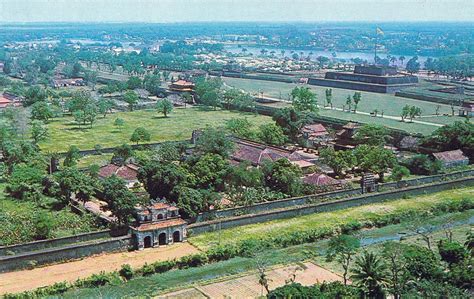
315, 135
321, 180
256, 153
57, 83
127, 172
409, 143
372, 78
158, 224
182, 86
9, 100
348, 130
452, 158
467, 109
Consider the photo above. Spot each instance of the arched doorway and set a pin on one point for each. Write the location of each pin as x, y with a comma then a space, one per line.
160, 216
162, 239
176, 236
147, 242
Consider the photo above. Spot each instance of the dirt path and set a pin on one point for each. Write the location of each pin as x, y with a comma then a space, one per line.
248, 287
24, 280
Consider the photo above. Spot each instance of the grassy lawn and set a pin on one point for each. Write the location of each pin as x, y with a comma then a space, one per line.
17, 220
329, 220
179, 279
390, 104
178, 126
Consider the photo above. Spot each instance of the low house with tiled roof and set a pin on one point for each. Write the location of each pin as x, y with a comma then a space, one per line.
451, 158
156, 225
315, 135
256, 153
321, 180
182, 86
127, 172
467, 109
7, 100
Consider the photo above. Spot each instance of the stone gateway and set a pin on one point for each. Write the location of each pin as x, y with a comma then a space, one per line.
157, 225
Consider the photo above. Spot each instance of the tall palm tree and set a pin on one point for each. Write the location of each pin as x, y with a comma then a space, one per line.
370, 274
401, 58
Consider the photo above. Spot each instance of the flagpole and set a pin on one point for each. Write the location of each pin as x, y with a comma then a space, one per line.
375, 46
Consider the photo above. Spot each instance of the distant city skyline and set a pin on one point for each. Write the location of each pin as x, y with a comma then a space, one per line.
167, 11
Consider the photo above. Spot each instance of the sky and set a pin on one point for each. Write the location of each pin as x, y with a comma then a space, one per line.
166, 11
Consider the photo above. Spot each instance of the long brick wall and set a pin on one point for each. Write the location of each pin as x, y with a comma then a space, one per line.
365, 199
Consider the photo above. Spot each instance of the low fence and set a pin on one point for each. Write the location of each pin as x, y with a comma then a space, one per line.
322, 197
68, 252
44, 244
371, 198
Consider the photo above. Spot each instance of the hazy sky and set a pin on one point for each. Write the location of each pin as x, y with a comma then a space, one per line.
234, 10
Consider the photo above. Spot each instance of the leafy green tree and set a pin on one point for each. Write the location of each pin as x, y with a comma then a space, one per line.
329, 97
71, 182
209, 171
131, 98
152, 84
41, 111
338, 161
357, 97
121, 154
134, 82
43, 226
90, 77
245, 176
241, 127
72, 155
291, 121
422, 164
375, 159
25, 182
349, 103
283, 176
414, 112
39, 131
119, 122
191, 202
421, 263
105, 106
371, 134
452, 252
304, 99
211, 99
161, 179
271, 134
120, 201
214, 141
369, 274
34, 94
413, 66
342, 248
164, 106
140, 135
86, 115
399, 172
459, 135
393, 254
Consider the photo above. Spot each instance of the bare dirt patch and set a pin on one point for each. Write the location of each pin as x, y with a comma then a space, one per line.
248, 286
24, 280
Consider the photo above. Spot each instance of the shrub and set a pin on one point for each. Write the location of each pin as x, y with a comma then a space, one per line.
161, 267
147, 270
126, 272
194, 260
221, 253
97, 280
452, 252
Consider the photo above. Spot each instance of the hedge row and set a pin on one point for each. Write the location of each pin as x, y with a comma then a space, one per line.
245, 248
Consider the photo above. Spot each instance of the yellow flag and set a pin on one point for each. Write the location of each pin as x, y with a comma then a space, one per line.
379, 31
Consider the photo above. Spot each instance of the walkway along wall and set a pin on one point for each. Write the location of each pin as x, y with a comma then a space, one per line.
371, 198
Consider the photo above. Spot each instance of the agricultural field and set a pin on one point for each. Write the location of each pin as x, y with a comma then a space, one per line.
330, 220
178, 126
20, 221
388, 103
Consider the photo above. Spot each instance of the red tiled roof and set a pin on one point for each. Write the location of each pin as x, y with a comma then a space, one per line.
320, 179
160, 205
315, 130
127, 172
183, 83
450, 156
160, 224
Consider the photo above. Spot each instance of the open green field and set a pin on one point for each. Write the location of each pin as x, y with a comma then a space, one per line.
178, 126
330, 220
179, 279
18, 220
388, 103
